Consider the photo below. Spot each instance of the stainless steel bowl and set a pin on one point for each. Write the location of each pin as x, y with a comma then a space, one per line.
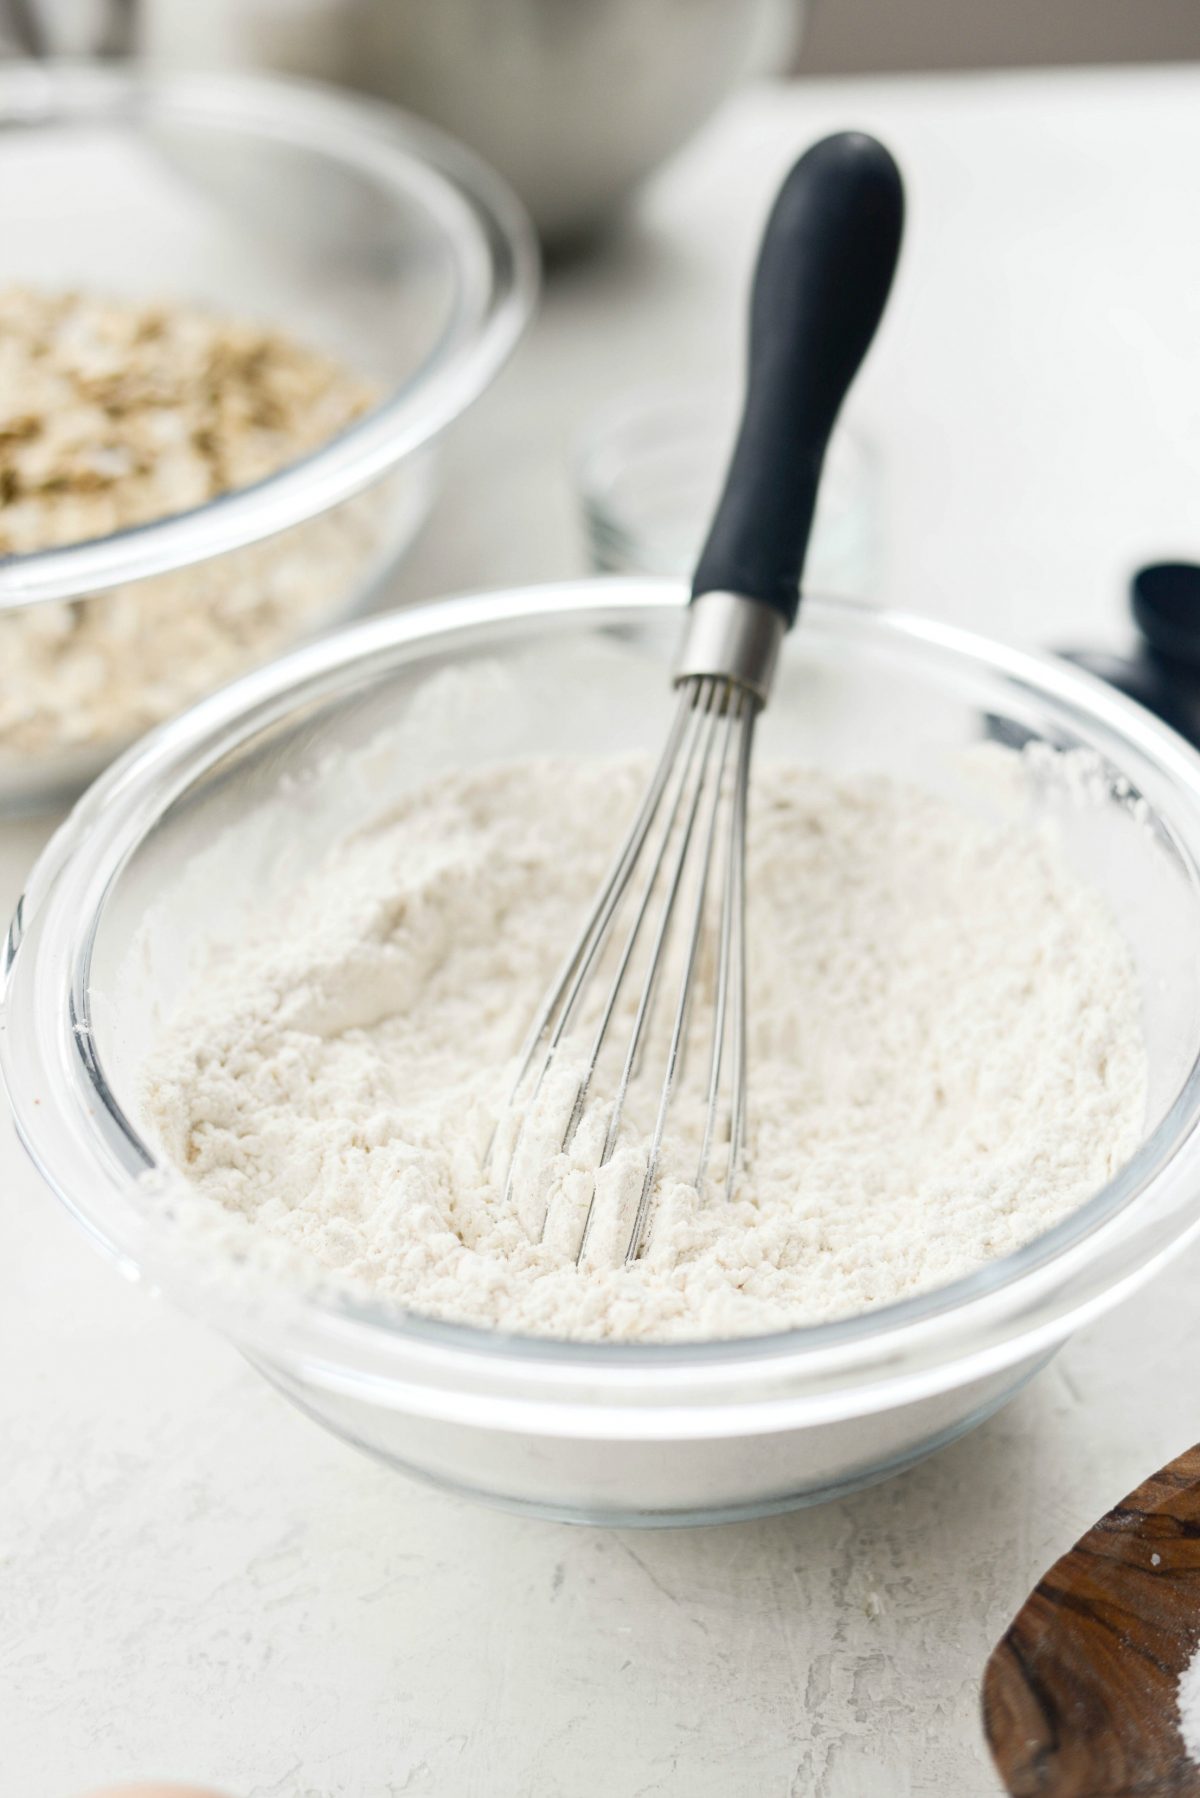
575, 101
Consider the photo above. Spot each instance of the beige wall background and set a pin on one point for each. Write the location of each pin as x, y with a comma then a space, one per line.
848, 36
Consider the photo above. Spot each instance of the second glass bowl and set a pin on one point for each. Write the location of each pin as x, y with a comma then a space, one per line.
342, 222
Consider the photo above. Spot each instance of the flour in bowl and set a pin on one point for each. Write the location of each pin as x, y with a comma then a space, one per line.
945, 1058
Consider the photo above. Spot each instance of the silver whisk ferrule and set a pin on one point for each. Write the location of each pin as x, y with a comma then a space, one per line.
734, 639
678, 879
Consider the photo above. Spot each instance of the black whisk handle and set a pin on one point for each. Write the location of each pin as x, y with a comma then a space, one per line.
824, 271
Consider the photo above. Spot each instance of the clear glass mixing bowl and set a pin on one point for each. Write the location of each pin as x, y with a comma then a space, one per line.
349, 225
199, 819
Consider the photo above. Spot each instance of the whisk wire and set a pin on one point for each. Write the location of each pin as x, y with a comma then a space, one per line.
640, 915
741, 796
729, 700
742, 712
554, 1017
704, 697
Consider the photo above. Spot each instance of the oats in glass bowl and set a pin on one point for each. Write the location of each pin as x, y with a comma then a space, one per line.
114, 414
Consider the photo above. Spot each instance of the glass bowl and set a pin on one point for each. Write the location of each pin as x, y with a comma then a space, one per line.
350, 226
239, 796
649, 470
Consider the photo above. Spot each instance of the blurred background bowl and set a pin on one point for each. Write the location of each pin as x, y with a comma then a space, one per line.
358, 231
573, 101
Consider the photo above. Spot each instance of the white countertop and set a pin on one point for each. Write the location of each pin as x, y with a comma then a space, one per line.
197, 1582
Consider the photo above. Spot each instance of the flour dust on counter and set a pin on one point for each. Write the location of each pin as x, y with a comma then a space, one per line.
944, 1039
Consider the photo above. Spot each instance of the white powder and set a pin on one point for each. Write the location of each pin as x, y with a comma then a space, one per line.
945, 1058
1189, 1707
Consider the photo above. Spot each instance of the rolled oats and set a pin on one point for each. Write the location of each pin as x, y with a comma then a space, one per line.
114, 414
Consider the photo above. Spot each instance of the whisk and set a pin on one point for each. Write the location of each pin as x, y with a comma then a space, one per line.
824, 270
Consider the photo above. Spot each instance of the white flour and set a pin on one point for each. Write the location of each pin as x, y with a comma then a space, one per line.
1189, 1707
945, 1058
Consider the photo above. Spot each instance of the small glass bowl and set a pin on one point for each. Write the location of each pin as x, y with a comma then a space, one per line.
350, 226
230, 805
648, 472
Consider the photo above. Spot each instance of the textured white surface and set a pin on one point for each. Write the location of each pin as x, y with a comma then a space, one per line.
194, 1580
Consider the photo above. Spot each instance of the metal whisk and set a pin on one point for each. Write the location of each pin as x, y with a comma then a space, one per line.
823, 275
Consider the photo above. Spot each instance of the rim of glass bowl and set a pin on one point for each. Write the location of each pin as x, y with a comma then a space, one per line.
482, 222
1015, 1308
